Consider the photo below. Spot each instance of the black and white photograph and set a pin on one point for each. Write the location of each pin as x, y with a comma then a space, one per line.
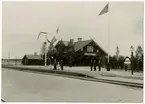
72, 51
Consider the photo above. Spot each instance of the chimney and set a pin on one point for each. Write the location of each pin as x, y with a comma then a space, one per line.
71, 41
35, 53
79, 39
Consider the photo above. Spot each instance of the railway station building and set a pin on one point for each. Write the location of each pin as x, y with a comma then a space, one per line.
80, 52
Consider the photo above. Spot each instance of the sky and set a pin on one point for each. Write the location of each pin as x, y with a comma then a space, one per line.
22, 22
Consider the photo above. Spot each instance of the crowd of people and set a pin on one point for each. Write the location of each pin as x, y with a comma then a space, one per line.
57, 65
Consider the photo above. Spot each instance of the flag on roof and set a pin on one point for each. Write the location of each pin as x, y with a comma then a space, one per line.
105, 10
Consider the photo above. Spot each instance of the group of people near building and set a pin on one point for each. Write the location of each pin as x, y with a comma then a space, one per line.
94, 63
57, 65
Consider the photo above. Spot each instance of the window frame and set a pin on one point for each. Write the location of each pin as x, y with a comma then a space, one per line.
90, 48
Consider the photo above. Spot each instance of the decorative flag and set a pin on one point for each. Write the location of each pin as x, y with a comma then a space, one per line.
41, 33
53, 40
48, 41
57, 30
105, 10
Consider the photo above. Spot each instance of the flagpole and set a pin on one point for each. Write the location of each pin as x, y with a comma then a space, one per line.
106, 10
8, 58
108, 68
45, 49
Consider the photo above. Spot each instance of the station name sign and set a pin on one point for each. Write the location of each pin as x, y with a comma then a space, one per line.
90, 54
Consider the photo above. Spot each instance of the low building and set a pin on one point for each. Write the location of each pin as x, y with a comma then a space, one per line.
32, 60
80, 52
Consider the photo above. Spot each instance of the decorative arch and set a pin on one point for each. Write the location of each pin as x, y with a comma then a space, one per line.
127, 58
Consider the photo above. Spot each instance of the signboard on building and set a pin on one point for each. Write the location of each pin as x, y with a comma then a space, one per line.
90, 54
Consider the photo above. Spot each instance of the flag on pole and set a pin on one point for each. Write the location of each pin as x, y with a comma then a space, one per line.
57, 30
41, 33
105, 10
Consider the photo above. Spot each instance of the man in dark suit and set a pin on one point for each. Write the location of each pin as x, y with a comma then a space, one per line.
91, 64
55, 64
61, 64
99, 64
94, 64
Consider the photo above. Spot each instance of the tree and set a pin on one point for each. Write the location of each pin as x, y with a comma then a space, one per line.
117, 52
121, 62
114, 62
51, 51
139, 58
139, 52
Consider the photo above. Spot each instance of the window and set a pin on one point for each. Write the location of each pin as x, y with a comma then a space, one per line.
89, 48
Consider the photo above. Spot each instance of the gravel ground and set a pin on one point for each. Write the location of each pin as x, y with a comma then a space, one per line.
31, 87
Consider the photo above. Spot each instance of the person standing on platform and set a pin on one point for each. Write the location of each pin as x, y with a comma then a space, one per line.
91, 64
99, 64
55, 64
61, 64
94, 63
50, 63
58, 65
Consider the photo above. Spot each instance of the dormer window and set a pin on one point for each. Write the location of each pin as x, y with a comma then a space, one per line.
90, 49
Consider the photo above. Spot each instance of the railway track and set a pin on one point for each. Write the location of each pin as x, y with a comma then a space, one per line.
77, 76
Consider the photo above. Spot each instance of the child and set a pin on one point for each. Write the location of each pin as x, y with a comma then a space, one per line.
58, 66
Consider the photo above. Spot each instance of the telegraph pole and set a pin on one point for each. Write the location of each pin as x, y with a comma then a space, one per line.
16, 61
8, 58
45, 46
45, 49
